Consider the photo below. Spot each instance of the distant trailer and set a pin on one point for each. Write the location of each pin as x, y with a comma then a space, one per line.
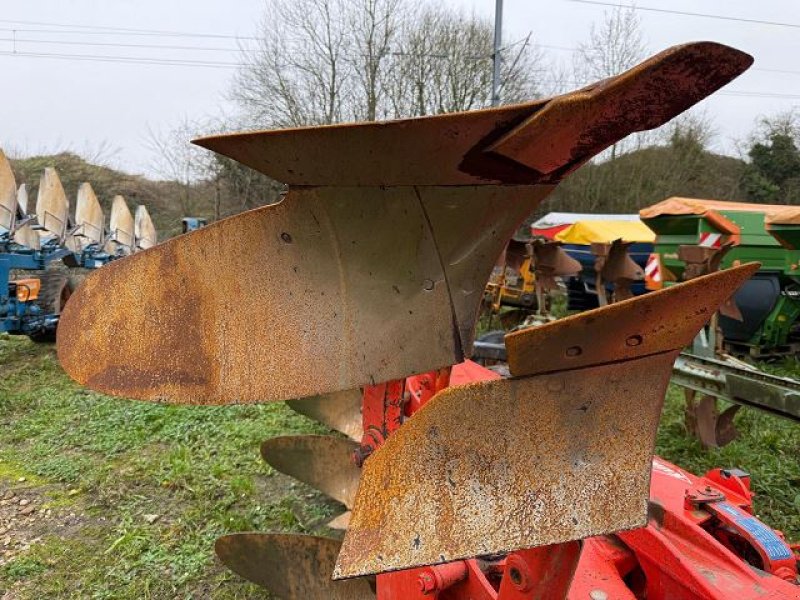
553, 223
770, 234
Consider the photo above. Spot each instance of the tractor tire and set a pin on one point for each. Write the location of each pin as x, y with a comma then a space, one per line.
54, 292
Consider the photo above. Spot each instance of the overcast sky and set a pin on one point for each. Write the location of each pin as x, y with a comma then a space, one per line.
49, 104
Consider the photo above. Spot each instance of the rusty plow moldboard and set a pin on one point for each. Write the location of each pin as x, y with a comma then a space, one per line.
561, 451
372, 268
389, 231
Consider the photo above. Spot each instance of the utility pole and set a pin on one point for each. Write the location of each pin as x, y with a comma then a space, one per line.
496, 58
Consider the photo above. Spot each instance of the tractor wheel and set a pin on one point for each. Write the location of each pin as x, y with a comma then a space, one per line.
54, 292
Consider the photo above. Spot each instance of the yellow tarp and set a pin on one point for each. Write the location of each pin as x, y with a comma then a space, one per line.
587, 232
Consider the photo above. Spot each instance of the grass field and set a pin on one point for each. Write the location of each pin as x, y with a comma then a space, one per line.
129, 497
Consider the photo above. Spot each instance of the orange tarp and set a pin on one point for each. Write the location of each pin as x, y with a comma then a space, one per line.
773, 213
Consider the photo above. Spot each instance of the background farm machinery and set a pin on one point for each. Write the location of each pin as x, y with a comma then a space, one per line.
44, 254
697, 236
459, 483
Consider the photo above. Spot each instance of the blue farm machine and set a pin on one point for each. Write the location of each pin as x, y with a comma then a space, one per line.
43, 253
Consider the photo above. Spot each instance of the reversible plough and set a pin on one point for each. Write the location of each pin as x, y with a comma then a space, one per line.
32, 293
356, 297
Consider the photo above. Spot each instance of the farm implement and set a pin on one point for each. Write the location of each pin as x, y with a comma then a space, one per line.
33, 291
367, 278
699, 236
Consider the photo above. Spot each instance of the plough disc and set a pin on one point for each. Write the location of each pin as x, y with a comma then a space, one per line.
321, 461
292, 567
389, 232
340, 411
561, 453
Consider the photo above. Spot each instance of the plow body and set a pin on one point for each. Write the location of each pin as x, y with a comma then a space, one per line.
454, 482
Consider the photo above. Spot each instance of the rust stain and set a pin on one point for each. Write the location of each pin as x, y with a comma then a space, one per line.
664, 320
388, 234
293, 299
574, 127
562, 453
499, 466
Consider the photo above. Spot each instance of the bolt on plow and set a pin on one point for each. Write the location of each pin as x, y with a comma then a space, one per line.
367, 279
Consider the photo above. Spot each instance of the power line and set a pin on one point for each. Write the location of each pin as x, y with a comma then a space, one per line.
117, 45
684, 13
103, 30
230, 65
122, 59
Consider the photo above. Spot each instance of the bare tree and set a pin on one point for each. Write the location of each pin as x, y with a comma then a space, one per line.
614, 46
177, 160
297, 73
373, 59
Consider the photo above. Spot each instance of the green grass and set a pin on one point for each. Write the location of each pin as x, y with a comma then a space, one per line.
768, 448
114, 461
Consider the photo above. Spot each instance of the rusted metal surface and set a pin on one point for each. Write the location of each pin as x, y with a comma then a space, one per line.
291, 567
327, 276
499, 466
89, 220
615, 266
321, 461
340, 411
660, 321
144, 230
121, 226
52, 206
548, 262
529, 143
703, 419
574, 127
391, 233
560, 454
701, 260
8, 194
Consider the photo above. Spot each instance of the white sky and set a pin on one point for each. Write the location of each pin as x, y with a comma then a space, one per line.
50, 104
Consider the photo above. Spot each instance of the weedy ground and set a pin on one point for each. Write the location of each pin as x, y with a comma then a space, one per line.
129, 497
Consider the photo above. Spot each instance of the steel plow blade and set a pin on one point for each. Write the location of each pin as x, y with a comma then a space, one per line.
144, 229
327, 274
22, 199
649, 324
25, 235
292, 567
535, 142
560, 454
389, 231
121, 225
8, 195
574, 127
89, 220
321, 461
52, 206
340, 411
